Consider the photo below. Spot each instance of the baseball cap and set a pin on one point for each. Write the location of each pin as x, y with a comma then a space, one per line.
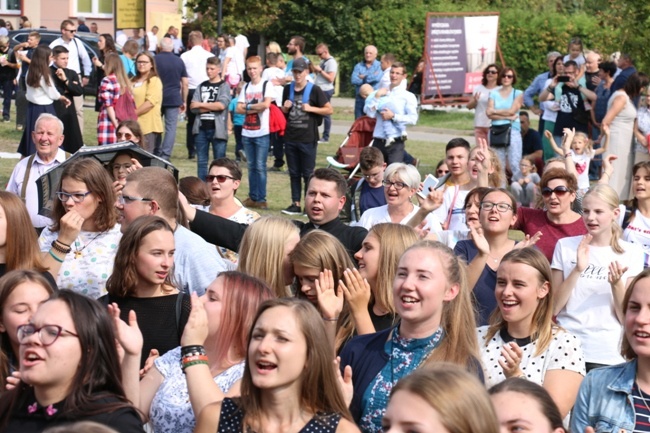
300, 64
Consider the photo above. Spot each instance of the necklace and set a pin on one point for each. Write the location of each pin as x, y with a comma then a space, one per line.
78, 251
495, 259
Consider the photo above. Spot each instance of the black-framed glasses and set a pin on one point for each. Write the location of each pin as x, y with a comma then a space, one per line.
508, 76
221, 178
124, 199
48, 334
559, 191
491, 72
71, 31
501, 207
143, 63
397, 185
76, 197
371, 176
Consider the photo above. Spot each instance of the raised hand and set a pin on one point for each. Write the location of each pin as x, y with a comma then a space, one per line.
477, 235
196, 329
70, 226
616, 272
583, 253
356, 290
344, 380
529, 241
128, 335
330, 300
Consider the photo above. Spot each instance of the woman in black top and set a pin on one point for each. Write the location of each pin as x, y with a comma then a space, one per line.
70, 370
142, 282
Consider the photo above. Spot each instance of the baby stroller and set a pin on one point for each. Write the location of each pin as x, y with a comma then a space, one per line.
359, 136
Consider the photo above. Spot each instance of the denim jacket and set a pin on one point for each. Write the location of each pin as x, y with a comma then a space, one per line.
605, 400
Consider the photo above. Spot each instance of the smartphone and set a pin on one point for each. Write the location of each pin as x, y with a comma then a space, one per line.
563, 79
430, 183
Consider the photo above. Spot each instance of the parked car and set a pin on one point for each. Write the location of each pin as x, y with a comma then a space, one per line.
48, 36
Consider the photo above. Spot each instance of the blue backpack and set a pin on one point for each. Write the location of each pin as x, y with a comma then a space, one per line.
305, 98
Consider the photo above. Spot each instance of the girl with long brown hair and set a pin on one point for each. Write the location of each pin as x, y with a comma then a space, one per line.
113, 86
147, 93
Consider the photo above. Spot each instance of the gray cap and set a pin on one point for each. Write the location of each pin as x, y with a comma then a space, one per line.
300, 64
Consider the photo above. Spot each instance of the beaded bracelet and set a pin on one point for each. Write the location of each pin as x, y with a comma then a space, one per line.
189, 364
187, 359
192, 350
61, 243
58, 248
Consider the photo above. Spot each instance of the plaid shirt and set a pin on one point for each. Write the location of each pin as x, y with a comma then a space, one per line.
109, 93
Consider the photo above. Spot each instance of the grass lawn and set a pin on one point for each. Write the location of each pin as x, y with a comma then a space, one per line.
278, 188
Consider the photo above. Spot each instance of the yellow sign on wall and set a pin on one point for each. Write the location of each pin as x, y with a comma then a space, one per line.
129, 14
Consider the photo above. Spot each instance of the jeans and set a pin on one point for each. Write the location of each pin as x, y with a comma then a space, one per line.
7, 92
393, 153
165, 147
278, 149
359, 102
301, 161
238, 143
191, 149
327, 120
202, 142
257, 150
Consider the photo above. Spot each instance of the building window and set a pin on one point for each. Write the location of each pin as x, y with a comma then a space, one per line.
93, 7
10, 6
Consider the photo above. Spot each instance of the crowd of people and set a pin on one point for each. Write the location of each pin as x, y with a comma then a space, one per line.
141, 302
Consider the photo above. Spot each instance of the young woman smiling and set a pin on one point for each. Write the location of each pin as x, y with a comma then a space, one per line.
637, 228
591, 283
522, 340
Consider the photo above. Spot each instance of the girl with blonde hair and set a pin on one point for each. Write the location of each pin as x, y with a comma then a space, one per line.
264, 252
437, 324
591, 283
522, 340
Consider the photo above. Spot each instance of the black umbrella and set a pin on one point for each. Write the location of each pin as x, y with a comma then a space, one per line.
49, 182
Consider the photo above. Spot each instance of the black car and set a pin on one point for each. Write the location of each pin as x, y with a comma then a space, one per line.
48, 36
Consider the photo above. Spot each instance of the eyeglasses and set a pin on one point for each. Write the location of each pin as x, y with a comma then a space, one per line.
48, 334
491, 72
501, 207
510, 76
143, 63
441, 172
124, 199
76, 197
371, 176
397, 185
559, 191
71, 31
125, 135
221, 178
124, 166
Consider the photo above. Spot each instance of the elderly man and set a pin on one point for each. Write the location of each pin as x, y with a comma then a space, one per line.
78, 61
47, 137
173, 74
366, 72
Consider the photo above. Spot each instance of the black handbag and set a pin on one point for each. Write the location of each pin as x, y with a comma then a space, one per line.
500, 135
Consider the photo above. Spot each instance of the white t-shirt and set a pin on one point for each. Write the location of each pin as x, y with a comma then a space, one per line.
270, 73
638, 232
236, 64
550, 107
252, 94
457, 221
589, 312
581, 163
153, 41
377, 215
481, 119
563, 353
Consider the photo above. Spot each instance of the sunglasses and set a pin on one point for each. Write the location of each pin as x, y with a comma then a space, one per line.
508, 76
71, 31
221, 178
126, 135
559, 191
492, 72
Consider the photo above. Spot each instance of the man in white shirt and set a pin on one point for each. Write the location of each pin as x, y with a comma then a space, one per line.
152, 40
48, 137
195, 60
242, 44
78, 61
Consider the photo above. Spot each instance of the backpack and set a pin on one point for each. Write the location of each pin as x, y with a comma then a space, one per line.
305, 98
351, 211
125, 107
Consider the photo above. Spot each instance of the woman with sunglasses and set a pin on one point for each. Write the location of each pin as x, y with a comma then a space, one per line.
79, 248
223, 180
480, 99
401, 181
503, 108
557, 220
70, 370
488, 244
591, 274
